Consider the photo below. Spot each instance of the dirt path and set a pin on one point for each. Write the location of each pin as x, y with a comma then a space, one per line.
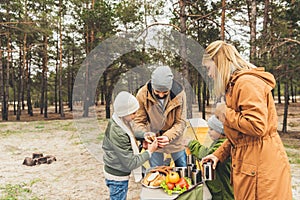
76, 174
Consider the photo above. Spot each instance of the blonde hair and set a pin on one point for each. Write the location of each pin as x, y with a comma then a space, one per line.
227, 60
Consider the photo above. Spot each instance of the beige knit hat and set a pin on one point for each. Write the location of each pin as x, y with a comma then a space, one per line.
125, 104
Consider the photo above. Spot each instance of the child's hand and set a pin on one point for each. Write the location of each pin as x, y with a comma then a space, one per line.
145, 144
149, 137
153, 146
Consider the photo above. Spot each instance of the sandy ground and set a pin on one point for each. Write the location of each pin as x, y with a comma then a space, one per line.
77, 173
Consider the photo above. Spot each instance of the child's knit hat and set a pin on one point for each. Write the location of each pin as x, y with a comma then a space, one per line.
215, 124
125, 104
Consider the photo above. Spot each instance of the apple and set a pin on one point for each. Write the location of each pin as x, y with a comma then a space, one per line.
173, 177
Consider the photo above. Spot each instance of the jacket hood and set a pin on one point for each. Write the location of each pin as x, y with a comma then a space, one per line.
259, 72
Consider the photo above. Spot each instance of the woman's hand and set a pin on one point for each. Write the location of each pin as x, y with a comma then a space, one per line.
213, 158
163, 141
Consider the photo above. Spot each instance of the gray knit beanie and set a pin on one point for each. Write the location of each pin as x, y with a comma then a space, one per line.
215, 124
162, 79
125, 104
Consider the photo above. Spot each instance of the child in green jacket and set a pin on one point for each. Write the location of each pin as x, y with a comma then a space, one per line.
220, 187
121, 154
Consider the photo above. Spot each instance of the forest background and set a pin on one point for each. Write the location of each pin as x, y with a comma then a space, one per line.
44, 43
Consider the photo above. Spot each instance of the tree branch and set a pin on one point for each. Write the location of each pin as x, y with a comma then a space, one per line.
277, 45
158, 23
291, 40
5, 23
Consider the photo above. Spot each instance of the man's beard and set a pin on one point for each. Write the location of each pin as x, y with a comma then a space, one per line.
158, 97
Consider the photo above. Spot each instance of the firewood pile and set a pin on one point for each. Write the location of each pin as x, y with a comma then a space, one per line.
38, 158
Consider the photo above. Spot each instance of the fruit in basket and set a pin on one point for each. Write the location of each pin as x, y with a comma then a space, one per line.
173, 177
170, 186
182, 183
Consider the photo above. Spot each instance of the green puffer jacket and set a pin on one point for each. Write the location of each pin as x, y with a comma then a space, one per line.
118, 155
219, 188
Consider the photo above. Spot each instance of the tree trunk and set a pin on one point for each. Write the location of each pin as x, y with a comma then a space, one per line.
295, 93
2, 86
45, 70
207, 96
6, 79
72, 84
69, 84
102, 92
56, 73
251, 4
286, 102
104, 88
6, 72
183, 54
266, 17
87, 35
72, 76
14, 82
21, 73
199, 92
108, 96
292, 90
61, 107
28, 88
203, 99
86, 92
278, 92
92, 34
223, 20
42, 98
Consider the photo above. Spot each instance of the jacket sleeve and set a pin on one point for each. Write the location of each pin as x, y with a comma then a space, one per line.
250, 94
123, 150
139, 135
197, 149
141, 119
223, 152
180, 121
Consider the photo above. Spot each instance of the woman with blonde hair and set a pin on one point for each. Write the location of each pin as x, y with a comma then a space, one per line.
260, 166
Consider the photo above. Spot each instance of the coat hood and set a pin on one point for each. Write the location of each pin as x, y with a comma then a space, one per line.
259, 72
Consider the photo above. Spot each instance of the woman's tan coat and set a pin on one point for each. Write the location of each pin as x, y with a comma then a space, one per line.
169, 121
260, 167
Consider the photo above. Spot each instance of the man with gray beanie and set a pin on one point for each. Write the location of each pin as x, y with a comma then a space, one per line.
162, 110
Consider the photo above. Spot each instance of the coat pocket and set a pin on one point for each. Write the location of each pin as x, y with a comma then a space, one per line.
245, 181
249, 169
